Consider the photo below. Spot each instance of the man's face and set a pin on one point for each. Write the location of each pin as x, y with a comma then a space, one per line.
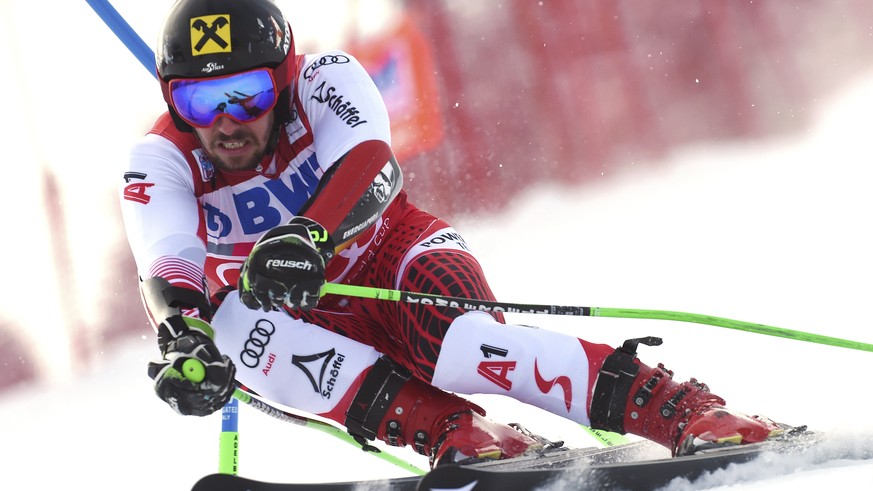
236, 146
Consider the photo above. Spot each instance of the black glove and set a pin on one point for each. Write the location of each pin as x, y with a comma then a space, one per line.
194, 378
286, 267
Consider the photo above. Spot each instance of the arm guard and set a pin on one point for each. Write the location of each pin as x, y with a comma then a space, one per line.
356, 190
384, 188
164, 303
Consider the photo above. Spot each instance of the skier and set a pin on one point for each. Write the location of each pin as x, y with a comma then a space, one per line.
271, 173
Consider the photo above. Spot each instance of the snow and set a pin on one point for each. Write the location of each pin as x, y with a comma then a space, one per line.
773, 232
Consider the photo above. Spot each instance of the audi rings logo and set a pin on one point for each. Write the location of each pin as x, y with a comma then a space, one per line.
324, 61
259, 338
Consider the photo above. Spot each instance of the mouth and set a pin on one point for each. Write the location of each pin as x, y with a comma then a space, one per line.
233, 145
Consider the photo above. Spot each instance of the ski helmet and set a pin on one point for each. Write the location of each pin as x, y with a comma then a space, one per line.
214, 38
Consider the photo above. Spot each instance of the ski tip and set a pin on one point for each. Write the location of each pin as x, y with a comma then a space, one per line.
206, 483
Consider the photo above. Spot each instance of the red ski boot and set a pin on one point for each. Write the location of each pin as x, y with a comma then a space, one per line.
630, 397
399, 410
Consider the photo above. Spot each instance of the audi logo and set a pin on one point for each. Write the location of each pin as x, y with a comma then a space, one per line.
324, 61
259, 338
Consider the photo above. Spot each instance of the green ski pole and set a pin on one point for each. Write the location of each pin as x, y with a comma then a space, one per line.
325, 428
493, 306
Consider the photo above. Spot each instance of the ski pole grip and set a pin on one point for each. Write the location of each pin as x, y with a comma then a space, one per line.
194, 370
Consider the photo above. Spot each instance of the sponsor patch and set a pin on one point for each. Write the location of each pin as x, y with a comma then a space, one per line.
210, 34
326, 365
207, 170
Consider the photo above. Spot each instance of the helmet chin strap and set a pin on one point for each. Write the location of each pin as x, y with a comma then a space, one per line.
272, 141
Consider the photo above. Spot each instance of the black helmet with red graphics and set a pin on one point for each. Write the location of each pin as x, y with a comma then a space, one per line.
205, 44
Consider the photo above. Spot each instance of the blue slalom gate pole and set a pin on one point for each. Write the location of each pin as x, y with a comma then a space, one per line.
228, 443
125, 33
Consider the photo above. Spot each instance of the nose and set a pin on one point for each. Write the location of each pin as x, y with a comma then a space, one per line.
226, 124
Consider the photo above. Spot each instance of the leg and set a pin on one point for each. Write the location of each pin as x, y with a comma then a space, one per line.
592, 384
539, 367
301, 365
400, 409
414, 251
290, 361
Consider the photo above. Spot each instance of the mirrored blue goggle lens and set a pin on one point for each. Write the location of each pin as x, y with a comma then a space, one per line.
244, 96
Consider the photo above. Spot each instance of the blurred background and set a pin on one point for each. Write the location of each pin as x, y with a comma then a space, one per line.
489, 100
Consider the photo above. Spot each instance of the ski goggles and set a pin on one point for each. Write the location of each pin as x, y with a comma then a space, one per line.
244, 97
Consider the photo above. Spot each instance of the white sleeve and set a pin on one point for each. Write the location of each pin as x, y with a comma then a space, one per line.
342, 103
160, 210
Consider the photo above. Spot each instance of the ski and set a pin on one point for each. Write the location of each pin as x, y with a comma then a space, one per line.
560, 457
633, 466
621, 467
228, 482
629, 476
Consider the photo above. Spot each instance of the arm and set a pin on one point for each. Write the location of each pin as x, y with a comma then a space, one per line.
193, 377
352, 137
164, 227
358, 185
162, 217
